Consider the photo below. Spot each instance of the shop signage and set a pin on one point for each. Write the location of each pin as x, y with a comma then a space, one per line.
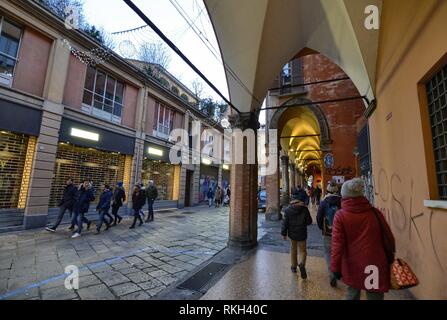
226, 167
206, 161
155, 151
84, 134
19, 119
329, 160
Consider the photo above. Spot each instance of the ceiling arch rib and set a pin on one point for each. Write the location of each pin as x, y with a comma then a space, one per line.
257, 37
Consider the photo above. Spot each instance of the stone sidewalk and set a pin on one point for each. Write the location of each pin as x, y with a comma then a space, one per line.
117, 264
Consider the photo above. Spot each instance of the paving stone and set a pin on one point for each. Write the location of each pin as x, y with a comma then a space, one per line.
98, 292
122, 265
112, 278
129, 271
134, 260
125, 288
27, 294
155, 291
58, 293
139, 295
139, 277
88, 281
154, 283
158, 273
167, 280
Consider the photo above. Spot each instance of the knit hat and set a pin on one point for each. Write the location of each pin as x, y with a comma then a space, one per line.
332, 188
353, 188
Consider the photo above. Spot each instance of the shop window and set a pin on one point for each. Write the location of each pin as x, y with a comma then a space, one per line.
162, 174
13, 151
103, 95
10, 36
437, 107
85, 163
163, 121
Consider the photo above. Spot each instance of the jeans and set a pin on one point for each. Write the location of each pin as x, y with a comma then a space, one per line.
298, 250
327, 245
354, 294
150, 204
210, 202
78, 219
136, 216
102, 218
61, 214
117, 217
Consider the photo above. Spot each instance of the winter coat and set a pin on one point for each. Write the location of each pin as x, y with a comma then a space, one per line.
69, 196
152, 193
329, 200
218, 194
104, 200
296, 219
210, 194
82, 199
138, 200
229, 192
119, 196
317, 192
357, 244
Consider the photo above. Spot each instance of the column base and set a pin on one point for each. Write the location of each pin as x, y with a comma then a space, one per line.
242, 244
35, 221
273, 215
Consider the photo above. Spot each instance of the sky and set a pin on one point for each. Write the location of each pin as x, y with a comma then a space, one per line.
115, 16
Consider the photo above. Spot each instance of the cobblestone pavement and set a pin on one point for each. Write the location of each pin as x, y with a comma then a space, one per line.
117, 264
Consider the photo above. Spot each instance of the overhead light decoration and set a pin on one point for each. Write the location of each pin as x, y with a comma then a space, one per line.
155, 151
84, 134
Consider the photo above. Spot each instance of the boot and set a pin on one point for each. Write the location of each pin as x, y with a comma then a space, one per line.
303, 271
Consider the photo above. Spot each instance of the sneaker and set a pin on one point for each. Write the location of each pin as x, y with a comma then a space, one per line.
50, 229
293, 269
108, 227
119, 220
76, 235
132, 227
333, 282
303, 271
71, 228
88, 225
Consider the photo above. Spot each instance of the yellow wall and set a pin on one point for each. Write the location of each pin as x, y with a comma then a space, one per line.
412, 42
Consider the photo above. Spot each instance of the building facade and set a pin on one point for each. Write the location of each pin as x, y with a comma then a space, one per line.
64, 115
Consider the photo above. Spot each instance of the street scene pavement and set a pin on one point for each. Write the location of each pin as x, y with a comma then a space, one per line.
117, 264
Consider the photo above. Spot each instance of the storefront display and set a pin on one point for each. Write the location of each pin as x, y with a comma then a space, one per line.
162, 174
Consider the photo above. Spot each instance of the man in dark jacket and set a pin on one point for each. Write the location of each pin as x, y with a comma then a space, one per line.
83, 198
137, 203
325, 217
317, 194
65, 204
103, 209
152, 195
119, 196
294, 226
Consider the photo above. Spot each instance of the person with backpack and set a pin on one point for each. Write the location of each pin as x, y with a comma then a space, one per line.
152, 195
119, 197
361, 239
103, 208
294, 226
325, 218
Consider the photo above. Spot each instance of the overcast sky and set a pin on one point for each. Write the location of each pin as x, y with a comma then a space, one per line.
115, 15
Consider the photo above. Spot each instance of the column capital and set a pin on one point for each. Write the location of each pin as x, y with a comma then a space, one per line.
244, 121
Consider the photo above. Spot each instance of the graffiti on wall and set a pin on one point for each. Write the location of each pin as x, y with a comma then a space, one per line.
396, 197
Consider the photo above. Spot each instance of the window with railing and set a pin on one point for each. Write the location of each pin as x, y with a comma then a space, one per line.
10, 36
164, 121
437, 108
103, 95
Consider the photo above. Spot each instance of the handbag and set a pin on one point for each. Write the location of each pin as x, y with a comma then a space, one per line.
401, 277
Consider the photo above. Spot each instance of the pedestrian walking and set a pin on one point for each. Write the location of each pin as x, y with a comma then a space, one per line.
143, 192
229, 192
119, 197
84, 197
218, 197
357, 243
318, 192
151, 195
65, 204
103, 208
210, 196
137, 203
294, 227
325, 219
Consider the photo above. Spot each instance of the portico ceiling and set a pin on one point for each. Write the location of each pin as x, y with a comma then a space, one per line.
258, 37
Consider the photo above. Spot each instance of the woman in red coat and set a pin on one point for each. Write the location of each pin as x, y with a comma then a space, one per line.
358, 254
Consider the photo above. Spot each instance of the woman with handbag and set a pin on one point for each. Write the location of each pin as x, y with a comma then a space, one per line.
360, 256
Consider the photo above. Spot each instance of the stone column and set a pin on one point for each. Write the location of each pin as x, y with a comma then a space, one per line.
244, 183
292, 171
36, 208
273, 211
285, 180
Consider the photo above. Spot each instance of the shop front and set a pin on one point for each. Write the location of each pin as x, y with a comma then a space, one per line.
87, 152
166, 176
209, 178
17, 146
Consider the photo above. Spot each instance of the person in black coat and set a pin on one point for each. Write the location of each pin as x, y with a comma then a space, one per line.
103, 208
119, 196
65, 204
84, 197
137, 203
294, 226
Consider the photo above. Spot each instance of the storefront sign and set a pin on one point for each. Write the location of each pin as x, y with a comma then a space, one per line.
84, 134
206, 161
19, 119
155, 151
226, 167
